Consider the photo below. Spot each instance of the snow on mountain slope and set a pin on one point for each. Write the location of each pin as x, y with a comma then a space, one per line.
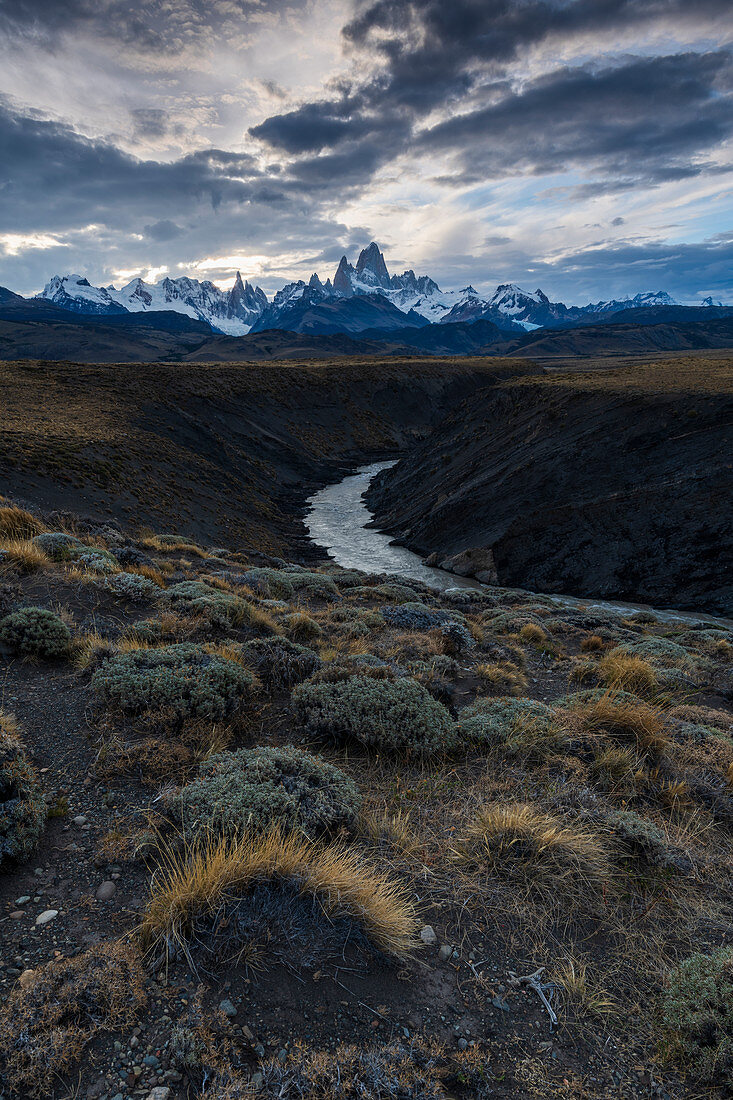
232, 312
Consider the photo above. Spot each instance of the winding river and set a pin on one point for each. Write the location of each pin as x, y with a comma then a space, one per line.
337, 522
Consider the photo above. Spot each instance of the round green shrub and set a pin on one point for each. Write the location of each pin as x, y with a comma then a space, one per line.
397, 716
22, 802
281, 663
58, 545
269, 582
261, 787
697, 1013
182, 680
133, 587
35, 632
657, 650
497, 721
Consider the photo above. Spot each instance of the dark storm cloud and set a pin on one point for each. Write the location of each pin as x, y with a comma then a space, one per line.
163, 230
49, 175
150, 122
644, 120
650, 115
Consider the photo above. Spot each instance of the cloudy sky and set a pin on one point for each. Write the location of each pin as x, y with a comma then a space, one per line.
583, 146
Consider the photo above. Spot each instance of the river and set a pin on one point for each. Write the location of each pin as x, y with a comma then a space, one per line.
337, 522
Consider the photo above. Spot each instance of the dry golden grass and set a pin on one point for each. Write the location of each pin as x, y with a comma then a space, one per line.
200, 878
592, 644
532, 634
148, 571
521, 841
302, 627
86, 647
583, 987
623, 720
16, 523
162, 545
502, 675
627, 674
24, 554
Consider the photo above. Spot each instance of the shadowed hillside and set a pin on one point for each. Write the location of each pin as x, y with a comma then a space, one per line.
216, 451
612, 484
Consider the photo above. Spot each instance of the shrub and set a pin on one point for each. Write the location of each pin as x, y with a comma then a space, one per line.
397, 716
316, 585
300, 627
22, 803
533, 634
627, 673
131, 555
182, 679
254, 789
98, 562
35, 632
45, 1027
194, 884
456, 638
518, 840
397, 593
414, 616
57, 545
642, 839
500, 721
221, 609
133, 587
281, 663
697, 1013
273, 583
656, 650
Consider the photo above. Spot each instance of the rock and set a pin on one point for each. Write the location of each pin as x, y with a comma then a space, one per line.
46, 916
97, 1089
445, 952
463, 1044
151, 1061
106, 891
23, 900
26, 978
160, 1092
79, 820
257, 1080
477, 561
427, 935
228, 1009
17, 914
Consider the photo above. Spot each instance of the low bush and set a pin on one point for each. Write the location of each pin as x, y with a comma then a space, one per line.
659, 651
57, 545
697, 1014
45, 1027
642, 839
414, 616
255, 789
98, 561
22, 802
179, 680
131, 586
398, 716
272, 583
514, 723
279, 662
35, 632
456, 639
340, 885
315, 585
300, 627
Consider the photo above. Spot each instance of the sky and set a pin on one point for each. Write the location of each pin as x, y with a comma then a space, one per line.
580, 146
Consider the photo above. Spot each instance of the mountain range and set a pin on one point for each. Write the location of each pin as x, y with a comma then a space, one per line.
360, 297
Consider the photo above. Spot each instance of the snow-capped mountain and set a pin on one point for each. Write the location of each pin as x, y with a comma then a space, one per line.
227, 311
360, 295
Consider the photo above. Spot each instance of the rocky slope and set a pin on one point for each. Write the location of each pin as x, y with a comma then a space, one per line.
614, 484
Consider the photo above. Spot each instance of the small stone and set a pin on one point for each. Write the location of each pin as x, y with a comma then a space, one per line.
46, 916
26, 978
445, 952
257, 1081
160, 1092
17, 914
106, 891
79, 820
228, 1009
151, 1061
463, 1044
23, 900
427, 935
